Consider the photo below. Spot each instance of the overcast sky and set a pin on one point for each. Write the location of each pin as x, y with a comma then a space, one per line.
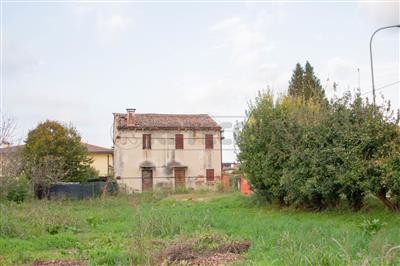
78, 63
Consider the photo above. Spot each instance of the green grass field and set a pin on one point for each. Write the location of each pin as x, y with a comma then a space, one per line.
125, 230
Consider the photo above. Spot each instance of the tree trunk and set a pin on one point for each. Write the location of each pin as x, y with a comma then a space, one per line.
389, 204
358, 205
41, 191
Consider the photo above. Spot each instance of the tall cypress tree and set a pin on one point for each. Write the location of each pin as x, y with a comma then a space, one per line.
304, 83
312, 84
296, 83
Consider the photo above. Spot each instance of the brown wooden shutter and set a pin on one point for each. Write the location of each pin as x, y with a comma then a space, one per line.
149, 141
179, 141
210, 175
146, 141
209, 141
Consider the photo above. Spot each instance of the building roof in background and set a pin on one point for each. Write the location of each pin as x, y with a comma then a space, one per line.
167, 121
11, 149
91, 149
97, 149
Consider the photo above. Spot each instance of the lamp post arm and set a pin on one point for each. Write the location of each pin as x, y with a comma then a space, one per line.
370, 54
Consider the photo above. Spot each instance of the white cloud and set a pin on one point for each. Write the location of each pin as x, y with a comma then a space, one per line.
268, 67
227, 24
82, 10
114, 22
343, 70
18, 60
111, 28
247, 41
383, 11
109, 23
246, 44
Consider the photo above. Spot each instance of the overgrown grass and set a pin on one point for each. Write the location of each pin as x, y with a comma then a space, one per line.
127, 230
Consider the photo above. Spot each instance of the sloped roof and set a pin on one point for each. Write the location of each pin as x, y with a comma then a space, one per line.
167, 121
97, 149
91, 149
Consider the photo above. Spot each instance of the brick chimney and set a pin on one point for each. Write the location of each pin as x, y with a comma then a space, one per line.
130, 121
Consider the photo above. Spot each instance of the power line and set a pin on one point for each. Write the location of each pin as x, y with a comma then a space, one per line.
383, 87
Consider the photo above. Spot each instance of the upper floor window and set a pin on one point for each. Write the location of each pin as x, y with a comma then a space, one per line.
209, 141
179, 141
210, 175
146, 141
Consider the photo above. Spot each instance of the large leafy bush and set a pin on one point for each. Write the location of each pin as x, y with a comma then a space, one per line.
313, 153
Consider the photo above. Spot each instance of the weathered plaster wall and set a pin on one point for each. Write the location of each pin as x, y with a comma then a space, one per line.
129, 157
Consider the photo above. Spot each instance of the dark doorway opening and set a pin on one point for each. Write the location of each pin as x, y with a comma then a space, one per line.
147, 179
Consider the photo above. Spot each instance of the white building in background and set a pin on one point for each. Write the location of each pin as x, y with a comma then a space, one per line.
166, 150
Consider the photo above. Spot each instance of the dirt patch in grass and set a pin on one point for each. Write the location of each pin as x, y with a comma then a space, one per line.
208, 249
217, 259
58, 263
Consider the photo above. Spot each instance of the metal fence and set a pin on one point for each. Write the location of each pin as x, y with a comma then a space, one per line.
79, 191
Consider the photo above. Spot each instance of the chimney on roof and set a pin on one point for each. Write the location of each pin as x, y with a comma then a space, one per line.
131, 116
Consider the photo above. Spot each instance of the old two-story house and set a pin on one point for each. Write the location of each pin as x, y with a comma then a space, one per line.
166, 150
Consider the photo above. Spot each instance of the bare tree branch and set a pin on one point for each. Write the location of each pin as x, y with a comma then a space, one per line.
8, 127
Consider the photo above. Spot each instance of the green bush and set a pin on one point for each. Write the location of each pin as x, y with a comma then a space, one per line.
19, 191
220, 186
311, 153
233, 182
371, 226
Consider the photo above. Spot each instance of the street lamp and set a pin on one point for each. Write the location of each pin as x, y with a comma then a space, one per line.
370, 53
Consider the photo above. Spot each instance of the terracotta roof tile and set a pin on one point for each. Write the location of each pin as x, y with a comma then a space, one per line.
167, 121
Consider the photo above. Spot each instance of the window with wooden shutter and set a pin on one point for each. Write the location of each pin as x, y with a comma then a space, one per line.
146, 141
209, 141
179, 141
210, 175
